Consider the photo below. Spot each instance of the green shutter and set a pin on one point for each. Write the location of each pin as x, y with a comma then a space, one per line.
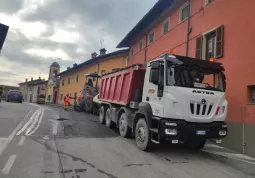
199, 46
219, 41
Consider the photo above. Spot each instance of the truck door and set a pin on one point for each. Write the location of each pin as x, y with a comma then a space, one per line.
154, 87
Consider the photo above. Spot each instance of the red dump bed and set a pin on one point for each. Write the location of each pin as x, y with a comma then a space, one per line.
119, 87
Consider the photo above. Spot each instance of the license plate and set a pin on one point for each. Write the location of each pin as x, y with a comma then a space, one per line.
201, 132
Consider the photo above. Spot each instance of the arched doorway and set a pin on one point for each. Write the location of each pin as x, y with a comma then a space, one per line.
55, 97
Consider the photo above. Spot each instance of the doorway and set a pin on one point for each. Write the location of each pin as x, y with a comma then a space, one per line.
55, 97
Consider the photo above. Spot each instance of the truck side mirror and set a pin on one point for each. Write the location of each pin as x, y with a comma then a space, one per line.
154, 76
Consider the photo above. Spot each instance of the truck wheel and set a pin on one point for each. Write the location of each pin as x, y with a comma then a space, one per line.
102, 115
195, 145
108, 120
124, 130
142, 135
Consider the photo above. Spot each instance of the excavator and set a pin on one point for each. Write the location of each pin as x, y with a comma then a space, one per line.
84, 102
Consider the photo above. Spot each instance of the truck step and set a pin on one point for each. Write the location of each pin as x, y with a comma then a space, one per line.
155, 141
155, 137
154, 130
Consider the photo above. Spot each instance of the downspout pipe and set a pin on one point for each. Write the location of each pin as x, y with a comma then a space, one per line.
188, 29
145, 50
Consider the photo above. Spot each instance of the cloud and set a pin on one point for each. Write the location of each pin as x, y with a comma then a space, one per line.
65, 31
10, 6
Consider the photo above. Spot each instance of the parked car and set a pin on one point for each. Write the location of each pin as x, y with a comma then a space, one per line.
14, 96
40, 99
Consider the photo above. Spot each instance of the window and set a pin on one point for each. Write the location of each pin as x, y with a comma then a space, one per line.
61, 97
69, 81
165, 27
63, 82
131, 52
151, 37
184, 12
140, 45
210, 45
210, 50
77, 78
208, 1
251, 94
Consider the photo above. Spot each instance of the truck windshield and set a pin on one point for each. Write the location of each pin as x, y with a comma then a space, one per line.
184, 76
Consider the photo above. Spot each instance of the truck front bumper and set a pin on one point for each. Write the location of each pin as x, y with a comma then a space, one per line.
183, 131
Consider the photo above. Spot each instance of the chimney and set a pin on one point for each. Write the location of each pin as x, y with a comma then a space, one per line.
102, 51
26, 79
31, 78
75, 65
93, 55
68, 68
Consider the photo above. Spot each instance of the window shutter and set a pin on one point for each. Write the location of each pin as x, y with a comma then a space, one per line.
199, 44
219, 41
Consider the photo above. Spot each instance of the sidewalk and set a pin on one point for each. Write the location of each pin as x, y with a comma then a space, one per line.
239, 161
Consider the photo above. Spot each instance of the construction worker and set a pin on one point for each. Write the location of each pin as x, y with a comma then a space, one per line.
66, 101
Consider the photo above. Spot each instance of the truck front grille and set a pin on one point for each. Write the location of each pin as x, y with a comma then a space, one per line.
199, 109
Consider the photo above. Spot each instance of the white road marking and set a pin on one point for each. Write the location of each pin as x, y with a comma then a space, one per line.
9, 139
29, 121
36, 120
37, 126
22, 140
9, 164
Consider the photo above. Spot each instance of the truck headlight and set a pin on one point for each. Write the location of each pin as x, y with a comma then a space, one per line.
171, 131
222, 132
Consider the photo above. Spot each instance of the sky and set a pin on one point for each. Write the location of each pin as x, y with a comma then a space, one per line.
65, 31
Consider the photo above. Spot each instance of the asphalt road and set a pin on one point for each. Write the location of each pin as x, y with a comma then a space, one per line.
44, 141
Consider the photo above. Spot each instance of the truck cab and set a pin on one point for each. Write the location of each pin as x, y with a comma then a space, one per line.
187, 99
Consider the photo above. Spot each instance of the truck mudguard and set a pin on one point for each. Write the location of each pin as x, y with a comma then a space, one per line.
146, 110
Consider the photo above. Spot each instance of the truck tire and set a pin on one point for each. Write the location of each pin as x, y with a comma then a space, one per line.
195, 145
102, 115
108, 120
142, 135
124, 130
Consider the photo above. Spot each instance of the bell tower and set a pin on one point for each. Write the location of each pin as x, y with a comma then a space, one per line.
54, 69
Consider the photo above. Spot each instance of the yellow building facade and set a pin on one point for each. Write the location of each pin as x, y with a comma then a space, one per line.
72, 80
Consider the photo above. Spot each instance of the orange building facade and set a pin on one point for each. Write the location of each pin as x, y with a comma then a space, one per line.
73, 79
222, 29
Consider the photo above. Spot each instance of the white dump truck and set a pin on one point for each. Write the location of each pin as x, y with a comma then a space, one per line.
174, 98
